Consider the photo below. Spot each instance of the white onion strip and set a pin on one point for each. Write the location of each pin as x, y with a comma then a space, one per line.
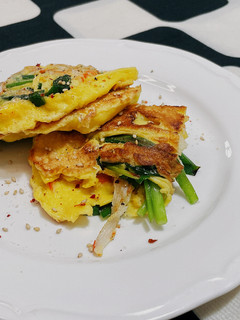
121, 196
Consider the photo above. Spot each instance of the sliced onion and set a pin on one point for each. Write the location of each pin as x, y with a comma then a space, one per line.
121, 198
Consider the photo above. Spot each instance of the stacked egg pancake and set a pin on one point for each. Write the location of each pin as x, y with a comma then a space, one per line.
96, 150
41, 99
73, 173
66, 177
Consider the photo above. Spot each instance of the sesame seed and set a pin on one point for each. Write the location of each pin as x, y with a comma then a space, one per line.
36, 229
5, 229
102, 139
90, 247
80, 255
79, 165
21, 191
14, 192
6, 192
7, 181
54, 209
121, 113
27, 226
134, 136
58, 230
119, 122
136, 142
13, 179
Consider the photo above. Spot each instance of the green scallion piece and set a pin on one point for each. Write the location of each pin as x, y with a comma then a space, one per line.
28, 76
123, 138
189, 167
187, 187
18, 83
37, 99
148, 195
96, 211
105, 211
159, 210
142, 210
154, 203
60, 84
121, 171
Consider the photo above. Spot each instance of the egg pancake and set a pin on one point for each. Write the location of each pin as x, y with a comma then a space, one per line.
70, 158
45, 94
67, 200
160, 155
87, 119
158, 124
65, 154
66, 172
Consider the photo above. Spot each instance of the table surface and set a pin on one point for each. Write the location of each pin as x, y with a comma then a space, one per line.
207, 28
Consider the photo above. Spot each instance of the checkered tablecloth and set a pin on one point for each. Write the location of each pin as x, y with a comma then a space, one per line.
210, 29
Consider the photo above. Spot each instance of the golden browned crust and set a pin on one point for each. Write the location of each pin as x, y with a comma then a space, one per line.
166, 117
161, 155
159, 124
64, 153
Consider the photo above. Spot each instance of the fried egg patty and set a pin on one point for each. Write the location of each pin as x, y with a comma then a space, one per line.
65, 154
159, 124
87, 119
18, 113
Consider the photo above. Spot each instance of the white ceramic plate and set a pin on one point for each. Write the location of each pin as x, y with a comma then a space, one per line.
197, 255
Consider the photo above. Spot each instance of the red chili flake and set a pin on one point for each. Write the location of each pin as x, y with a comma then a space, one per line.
93, 196
52, 95
81, 204
38, 65
113, 234
42, 94
152, 240
0, 236
33, 200
94, 244
50, 185
42, 71
8, 215
85, 75
77, 186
